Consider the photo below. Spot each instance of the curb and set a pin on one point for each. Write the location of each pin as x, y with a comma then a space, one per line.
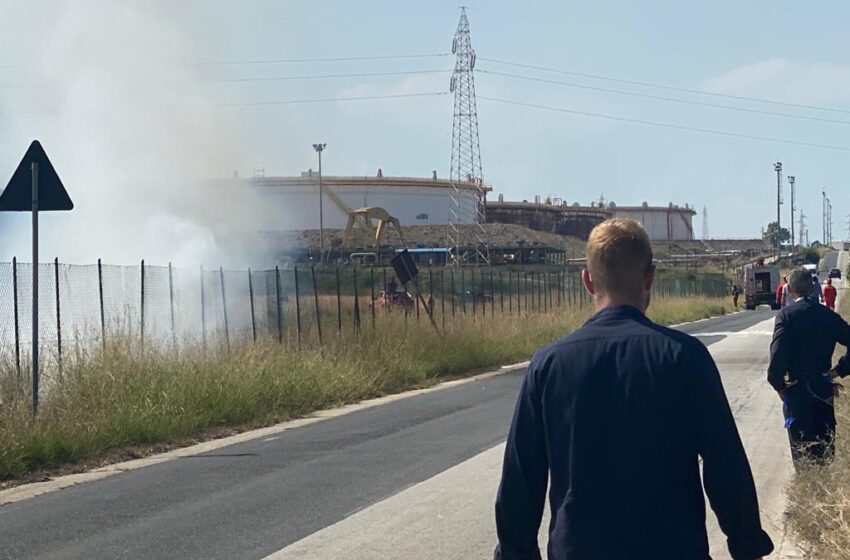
31, 490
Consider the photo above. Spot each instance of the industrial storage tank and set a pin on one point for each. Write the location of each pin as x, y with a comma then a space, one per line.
662, 223
292, 203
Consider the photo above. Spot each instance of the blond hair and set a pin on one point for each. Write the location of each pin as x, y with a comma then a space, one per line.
619, 256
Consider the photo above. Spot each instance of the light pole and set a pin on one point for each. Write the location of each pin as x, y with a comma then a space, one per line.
319, 149
823, 215
778, 168
791, 180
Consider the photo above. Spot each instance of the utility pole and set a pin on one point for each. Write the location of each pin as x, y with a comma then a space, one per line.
823, 214
319, 149
791, 180
803, 241
778, 168
829, 219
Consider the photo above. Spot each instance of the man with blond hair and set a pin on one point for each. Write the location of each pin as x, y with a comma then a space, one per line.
615, 417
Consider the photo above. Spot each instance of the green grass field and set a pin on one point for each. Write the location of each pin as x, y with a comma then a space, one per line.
120, 399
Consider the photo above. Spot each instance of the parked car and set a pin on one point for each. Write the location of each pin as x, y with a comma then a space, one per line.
835, 273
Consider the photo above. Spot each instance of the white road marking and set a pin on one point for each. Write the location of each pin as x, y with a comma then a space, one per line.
271, 439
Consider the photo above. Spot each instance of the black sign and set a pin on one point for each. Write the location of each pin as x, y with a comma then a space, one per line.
17, 196
404, 267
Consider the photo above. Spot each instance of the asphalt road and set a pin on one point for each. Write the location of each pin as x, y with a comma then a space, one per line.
253, 499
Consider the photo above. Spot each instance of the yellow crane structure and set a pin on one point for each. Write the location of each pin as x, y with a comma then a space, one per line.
364, 216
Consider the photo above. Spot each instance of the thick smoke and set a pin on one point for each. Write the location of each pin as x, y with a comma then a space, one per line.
130, 127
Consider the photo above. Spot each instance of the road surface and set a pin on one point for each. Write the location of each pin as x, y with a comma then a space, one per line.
414, 478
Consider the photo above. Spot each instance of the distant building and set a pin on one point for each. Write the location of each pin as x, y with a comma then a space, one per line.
662, 223
292, 203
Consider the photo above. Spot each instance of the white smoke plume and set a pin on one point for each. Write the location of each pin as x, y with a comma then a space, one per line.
130, 128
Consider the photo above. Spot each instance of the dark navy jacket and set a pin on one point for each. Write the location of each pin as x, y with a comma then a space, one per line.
804, 339
617, 414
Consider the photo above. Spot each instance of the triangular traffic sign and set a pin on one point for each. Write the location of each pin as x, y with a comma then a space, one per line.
17, 196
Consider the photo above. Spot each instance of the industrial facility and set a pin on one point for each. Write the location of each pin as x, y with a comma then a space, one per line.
413, 201
292, 204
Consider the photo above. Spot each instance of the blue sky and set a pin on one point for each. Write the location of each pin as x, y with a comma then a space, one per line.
129, 92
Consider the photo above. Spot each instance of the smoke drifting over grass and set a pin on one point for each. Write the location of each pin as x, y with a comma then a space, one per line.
129, 127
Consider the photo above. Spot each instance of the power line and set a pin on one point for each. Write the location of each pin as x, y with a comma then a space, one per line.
662, 98
661, 86
667, 125
326, 59
324, 76
331, 99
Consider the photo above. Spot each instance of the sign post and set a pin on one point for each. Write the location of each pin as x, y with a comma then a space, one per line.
35, 187
406, 271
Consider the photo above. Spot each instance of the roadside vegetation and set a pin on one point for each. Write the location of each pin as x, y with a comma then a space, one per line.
118, 401
819, 497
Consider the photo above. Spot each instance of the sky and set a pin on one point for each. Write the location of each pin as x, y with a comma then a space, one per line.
137, 102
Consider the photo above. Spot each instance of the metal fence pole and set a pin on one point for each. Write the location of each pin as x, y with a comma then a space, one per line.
472, 290
297, 306
203, 312
251, 297
277, 304
510, 293
443, 298
357, 303
492, 295
58, 313
15, 309
171, 306
316, 300
142, 302
372, 294
501, 294
454, 306
418, 297
463, 292
224, 309
338, 304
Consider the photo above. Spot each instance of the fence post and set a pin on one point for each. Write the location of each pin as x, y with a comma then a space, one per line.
171, 306
297, 305
224, 309
472, 290
58, 313
372, 294
463, 292
492, 295
501, 294
142, 302
418, 297
277, 304
454, 306
510, 293
338, 304
251, 297
15, 307
203, 312
443, 298
316, 300
357, 302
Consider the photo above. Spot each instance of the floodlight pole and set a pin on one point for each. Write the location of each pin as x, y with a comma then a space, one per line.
792, 179
319, 149
34, 170
778, 168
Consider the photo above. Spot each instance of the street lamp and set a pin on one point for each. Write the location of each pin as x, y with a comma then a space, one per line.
319, 149
778, 168
792, 180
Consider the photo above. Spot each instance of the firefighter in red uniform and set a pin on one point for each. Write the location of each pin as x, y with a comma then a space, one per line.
829, 294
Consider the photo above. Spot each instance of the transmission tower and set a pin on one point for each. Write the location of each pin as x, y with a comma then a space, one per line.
466, 151
704, 223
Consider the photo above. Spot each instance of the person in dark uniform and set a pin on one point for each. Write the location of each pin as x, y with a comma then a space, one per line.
615, 417
801, 371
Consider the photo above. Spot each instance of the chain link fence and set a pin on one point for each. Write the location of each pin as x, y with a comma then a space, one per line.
84, 305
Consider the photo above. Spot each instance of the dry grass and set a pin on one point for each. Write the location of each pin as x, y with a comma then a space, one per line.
122, 398
819, 497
